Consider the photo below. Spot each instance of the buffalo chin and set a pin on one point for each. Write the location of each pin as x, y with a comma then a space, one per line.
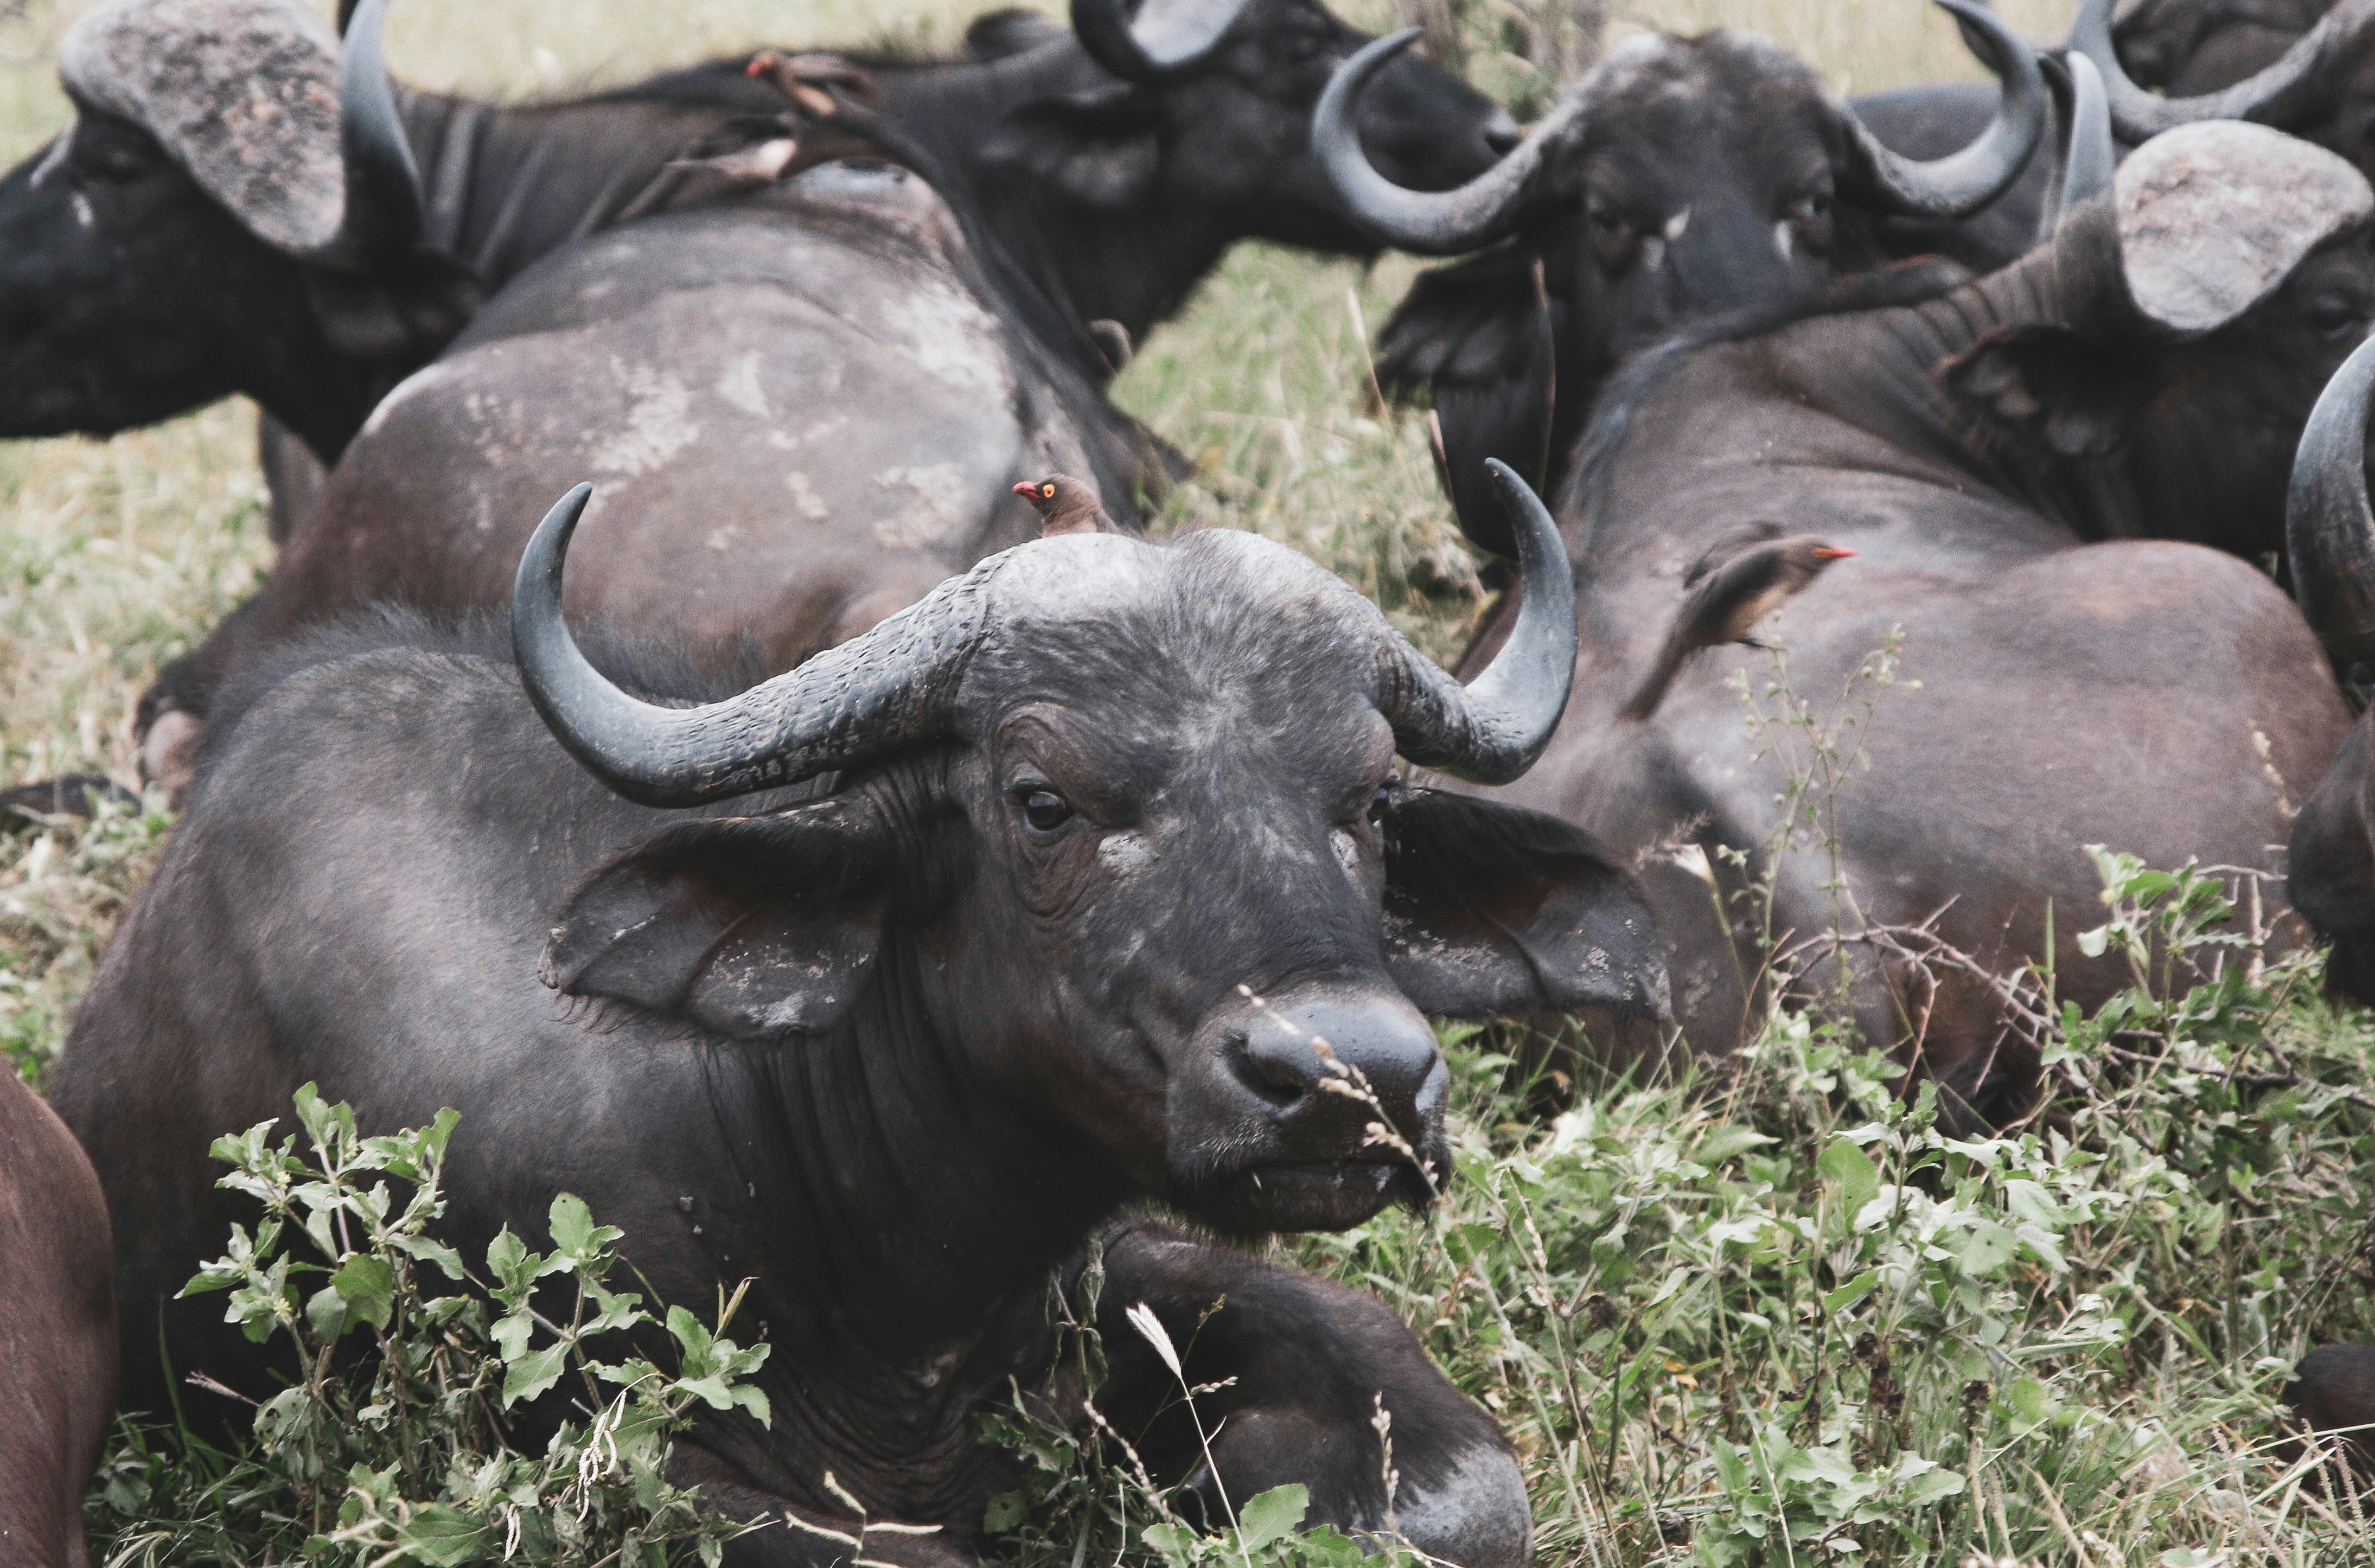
1333, 1195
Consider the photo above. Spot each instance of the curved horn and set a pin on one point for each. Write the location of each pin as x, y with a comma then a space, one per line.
1169, 35
888, 688
2280, 93
2329, 525
1961, 183
1433, 223
2088, 158
384, 202
1493, 731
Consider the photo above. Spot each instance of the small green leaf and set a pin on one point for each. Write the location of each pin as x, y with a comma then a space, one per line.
1852, 1292
1852, 1169
1273, 1515
533, 1374
367, 1285
444, 1536
1005, 1511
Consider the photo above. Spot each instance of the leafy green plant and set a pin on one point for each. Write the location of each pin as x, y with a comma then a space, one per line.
396, 1441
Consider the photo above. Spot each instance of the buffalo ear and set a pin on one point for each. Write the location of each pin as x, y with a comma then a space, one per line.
1480, 336
1099, 147
2046, 388
408, 312
753, 927
1494, 910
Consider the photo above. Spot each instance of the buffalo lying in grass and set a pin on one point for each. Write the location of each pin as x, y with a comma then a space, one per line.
1086, 880
1679, 179
1996, 458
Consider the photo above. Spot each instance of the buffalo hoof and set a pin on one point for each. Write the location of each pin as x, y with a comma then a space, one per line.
69, 794
2333, 1393
170, 756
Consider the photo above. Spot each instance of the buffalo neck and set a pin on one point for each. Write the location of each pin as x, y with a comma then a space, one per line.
1886, 371
1132, 265
902, 1200
504, 186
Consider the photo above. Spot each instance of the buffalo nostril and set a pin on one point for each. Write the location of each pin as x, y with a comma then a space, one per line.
1271, 1074
1377, 1044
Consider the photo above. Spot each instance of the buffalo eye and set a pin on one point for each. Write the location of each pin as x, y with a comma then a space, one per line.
1046, 811
2333, 317
1610, 232
111, 162
1383, 799
1814, 206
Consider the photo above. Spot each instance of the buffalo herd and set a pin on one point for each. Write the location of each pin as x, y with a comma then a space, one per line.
840, 845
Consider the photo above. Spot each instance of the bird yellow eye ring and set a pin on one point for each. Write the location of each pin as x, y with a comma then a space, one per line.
1048, 491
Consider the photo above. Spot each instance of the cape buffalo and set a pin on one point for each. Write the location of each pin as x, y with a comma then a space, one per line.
57, 1333
1991, 456
227, 213
2321, 86
2330, 878
1104, 844
1678, 179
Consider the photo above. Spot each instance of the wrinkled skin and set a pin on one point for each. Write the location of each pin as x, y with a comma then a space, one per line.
897, 1046
57, 1333
1983, 460
1706, 178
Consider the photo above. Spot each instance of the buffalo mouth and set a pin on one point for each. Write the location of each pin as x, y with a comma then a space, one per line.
1322, 1194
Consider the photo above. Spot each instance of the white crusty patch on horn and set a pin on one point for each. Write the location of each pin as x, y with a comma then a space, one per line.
243, 94
2214, 216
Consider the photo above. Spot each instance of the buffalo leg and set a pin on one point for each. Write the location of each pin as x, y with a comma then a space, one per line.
1311, 1363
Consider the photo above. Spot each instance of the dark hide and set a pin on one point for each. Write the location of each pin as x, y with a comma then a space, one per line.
57, 1333
2332, 865
2185, 48
884, 1043
1710, 175
2154, 697
2333, 1393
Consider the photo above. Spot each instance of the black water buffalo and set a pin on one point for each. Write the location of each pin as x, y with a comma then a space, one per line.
1992, 456
197, 230
57, 1333
1678, 179
2331, 869
1106, 833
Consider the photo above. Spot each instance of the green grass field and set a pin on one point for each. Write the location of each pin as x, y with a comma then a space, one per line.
1769, 1314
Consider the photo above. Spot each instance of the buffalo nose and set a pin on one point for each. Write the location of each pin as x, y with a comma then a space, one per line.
1501, 134
1381, 1038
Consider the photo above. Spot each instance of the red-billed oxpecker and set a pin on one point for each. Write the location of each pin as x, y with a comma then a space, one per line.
1066, 505
1734, 585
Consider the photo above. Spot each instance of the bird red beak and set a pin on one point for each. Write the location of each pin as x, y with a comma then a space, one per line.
1831, 552
1025, 487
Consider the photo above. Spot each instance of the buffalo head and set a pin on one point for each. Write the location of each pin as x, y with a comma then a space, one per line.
2185, 48
1679, 179
228, 181
1121, 819
2189, 335
1207, 110
2318, 83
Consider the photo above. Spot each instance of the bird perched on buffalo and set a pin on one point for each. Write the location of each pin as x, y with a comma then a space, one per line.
1066, 505
1743, 578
